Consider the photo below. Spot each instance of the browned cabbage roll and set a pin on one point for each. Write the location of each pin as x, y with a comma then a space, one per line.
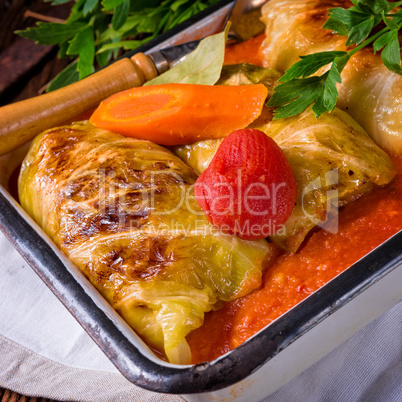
124, 212
369, 92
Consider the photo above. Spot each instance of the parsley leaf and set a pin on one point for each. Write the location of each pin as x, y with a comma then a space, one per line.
68, 76
120, 15
310, 64
360, 32
391, 55
89, 7
82, 45
344, 19
52, 33
297, 94
329, 93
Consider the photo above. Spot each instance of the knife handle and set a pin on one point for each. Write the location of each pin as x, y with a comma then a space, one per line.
22, 121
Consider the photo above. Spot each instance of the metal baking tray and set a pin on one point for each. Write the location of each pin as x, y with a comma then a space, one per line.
261, 365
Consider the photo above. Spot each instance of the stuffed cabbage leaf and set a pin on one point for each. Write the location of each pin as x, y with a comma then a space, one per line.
124, 212
334, 162
369, 92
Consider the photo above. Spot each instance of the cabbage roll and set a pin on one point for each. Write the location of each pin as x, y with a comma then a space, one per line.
372, 95
294, 29
334, 162
123, 210
369, 92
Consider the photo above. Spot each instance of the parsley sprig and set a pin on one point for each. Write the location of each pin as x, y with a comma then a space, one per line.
299, 88
97, 30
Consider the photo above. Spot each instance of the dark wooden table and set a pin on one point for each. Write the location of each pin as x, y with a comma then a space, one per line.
25, 68
9, 396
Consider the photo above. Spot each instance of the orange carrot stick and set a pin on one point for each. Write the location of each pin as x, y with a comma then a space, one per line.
173, 114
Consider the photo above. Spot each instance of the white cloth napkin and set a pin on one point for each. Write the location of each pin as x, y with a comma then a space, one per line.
44, 352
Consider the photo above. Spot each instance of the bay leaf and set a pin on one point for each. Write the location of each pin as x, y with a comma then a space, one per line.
202, 66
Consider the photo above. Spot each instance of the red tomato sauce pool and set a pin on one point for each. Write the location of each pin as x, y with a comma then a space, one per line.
363, 225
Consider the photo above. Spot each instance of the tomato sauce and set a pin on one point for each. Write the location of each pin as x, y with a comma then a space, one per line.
363, 225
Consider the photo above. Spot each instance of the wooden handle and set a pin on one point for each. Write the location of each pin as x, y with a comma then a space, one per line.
22, 121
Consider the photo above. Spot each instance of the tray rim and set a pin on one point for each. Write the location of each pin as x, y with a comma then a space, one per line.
228, 369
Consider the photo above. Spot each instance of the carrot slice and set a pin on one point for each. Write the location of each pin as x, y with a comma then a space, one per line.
173, 114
